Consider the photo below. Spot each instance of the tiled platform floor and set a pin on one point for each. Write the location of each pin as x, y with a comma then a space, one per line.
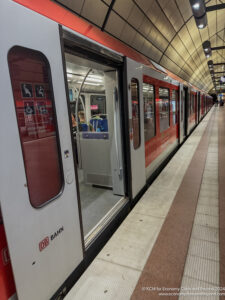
117, 268
202, 264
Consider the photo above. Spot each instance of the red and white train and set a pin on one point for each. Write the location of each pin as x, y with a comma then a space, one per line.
86, 124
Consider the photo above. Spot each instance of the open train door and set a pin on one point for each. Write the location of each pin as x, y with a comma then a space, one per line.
37, 187
136, 124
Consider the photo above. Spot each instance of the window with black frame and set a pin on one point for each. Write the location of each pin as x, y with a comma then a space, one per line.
190, 105
149, 110
135, 112
34, 104
164, 109
174, 106
193, 103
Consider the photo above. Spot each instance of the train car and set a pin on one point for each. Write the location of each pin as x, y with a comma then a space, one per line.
86, 123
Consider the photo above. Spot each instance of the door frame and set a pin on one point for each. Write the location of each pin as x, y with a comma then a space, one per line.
130, 128
86, 48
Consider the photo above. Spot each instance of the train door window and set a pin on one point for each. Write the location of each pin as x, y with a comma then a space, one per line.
164, 109
135, 112
34, 103
98, 106
149, 110
174, 106
96, 138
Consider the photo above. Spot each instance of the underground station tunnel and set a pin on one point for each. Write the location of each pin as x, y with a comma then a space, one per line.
112, 162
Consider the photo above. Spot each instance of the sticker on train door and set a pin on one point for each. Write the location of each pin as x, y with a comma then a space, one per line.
39, 91
41, 106
29, 108
26, 90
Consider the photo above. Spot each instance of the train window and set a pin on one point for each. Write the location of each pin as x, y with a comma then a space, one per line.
191, 110
135, 112
164, 109
174, 106
193, 103
149, 110
182, 105
34, 103
189, 105
98, 105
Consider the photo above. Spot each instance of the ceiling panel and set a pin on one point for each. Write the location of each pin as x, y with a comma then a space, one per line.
95, 11
73, 5
148, 49
115, 25
128, 34
186, 39
171, 52
123, 8
163, 30
179, 46
185, 9
157, 39
212, 23
172, 12
194, 32
138, 42
145, 27
136, 17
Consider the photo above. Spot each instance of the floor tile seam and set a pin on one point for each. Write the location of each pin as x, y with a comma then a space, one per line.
120, 265
211, 242
203, 257
204, 205
206, 226
148, 215
209, 205
188, 276
213, 189
203, 240
205, 281
204, 214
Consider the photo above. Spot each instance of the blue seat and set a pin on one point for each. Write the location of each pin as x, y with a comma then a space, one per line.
84, 127
100, 125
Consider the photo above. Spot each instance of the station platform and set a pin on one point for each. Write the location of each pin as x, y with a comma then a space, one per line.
172, 244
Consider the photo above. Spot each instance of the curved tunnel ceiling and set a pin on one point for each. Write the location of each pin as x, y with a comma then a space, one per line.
163, 30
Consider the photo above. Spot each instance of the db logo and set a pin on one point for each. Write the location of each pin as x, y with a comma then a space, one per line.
44, 243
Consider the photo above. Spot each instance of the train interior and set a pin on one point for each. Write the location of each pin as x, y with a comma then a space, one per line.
97, 138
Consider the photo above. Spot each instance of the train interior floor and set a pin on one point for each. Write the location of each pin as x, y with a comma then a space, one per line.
171, 237
96, 202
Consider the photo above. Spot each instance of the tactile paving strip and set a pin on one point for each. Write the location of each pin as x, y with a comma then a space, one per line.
165, 265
